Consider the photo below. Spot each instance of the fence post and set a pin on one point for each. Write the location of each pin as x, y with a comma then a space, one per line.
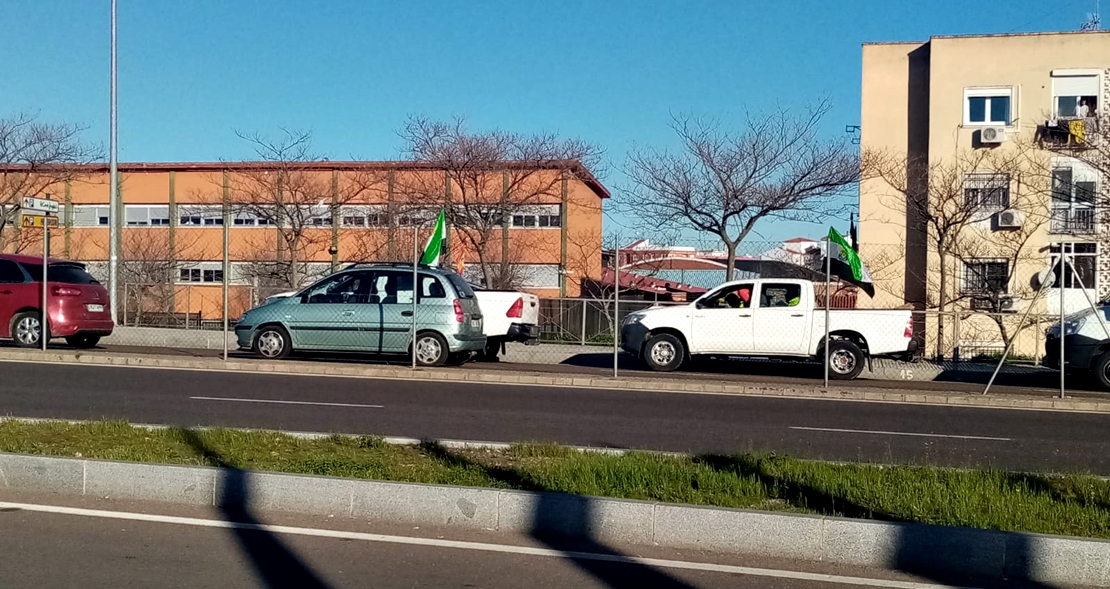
582, 304
126, 297
227, 260
616, 308
956, 321
188, 304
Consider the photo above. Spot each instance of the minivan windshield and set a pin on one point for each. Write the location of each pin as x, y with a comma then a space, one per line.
64, 273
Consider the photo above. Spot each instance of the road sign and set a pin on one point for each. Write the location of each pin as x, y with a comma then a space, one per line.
41, 204
39, 221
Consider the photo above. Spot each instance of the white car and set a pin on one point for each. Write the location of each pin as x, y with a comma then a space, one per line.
1086, 344
774, 318
509, 316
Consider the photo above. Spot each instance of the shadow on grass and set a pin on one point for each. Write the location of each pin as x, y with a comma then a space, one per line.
927, 551
567, 523
276, 565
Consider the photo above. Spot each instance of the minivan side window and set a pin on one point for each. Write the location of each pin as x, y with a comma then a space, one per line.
10, 273
392, 287
431, 287
351, 287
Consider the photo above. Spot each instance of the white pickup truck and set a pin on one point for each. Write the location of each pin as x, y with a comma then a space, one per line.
766, 318
509, 316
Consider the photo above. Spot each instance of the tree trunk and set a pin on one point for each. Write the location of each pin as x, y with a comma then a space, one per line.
294, 278
730, 264
942, 305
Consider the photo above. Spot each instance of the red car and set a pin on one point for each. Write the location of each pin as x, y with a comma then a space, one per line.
78, 304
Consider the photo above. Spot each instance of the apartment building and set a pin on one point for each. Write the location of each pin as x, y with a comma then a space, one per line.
543, 223
991, 162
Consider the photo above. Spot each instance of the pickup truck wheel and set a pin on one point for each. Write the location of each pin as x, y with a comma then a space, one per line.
664, 353
845, 360
1102, 371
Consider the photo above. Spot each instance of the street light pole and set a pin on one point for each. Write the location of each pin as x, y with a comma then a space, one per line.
113, 190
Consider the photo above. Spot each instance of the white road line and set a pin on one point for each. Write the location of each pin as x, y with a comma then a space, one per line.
279, 402
886, 433
478, 546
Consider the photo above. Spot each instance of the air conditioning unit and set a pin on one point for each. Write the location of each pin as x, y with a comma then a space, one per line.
1009, 304
1009, 219
992, 135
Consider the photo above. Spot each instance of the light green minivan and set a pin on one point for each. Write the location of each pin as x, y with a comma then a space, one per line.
369, 308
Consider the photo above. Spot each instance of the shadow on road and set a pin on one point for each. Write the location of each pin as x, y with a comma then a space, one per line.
567, 523
276, 565
917, 548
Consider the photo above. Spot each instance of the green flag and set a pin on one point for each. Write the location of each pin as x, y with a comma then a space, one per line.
434, 247
845, 263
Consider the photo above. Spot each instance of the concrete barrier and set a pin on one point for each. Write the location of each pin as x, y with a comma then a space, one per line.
910, 548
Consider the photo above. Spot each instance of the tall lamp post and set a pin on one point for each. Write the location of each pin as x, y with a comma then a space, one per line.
113, 190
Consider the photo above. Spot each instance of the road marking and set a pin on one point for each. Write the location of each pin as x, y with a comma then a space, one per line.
463, 545
279, 402
886, 433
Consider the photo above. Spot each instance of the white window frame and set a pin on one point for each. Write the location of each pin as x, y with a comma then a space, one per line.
1068, 277
536, 214
1069, 78
202, 270
379, 213
1080, 172
96, 210
153, 216
989, 93
211, 216
249, 220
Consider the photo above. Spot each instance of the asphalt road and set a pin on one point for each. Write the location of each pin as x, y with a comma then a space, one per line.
834, 430
111, 544
1044, 383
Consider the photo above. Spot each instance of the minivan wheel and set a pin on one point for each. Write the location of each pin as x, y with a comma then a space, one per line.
845, 360
27, 329
664, 353
83, 341
1102, 371
431, 349
272, 343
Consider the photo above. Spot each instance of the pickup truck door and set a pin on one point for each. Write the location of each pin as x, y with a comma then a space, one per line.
722, 322
782, 320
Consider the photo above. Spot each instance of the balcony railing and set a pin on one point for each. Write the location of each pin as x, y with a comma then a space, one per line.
1072, 132
1072, 221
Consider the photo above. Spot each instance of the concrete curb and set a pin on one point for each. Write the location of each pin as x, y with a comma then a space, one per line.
893, 546
836, 391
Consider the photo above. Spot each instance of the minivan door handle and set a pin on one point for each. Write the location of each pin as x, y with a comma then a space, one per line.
406, 313
347, 314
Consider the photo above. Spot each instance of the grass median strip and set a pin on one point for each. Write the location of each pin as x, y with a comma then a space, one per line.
991, 499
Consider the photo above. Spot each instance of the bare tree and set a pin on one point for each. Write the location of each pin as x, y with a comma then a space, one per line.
293, 191
484, 179
957, 215
725, 182
36, 159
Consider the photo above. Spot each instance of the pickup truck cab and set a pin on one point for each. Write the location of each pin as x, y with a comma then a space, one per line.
510, 316
773, 318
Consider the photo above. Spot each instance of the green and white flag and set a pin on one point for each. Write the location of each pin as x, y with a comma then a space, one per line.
434, 247
846, 265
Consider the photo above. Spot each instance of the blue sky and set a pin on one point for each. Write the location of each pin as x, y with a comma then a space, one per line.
612, 73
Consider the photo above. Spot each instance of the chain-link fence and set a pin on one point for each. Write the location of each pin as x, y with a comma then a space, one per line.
643, 309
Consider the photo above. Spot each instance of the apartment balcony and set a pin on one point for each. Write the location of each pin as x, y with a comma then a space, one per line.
1072, 221
1070, 133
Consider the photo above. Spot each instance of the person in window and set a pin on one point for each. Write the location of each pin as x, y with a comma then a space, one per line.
1084, 109
738, 299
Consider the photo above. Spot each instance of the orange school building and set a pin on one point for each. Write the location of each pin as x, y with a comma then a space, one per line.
547, 226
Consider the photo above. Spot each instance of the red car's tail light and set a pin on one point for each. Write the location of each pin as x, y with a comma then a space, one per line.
517, 310
64, 291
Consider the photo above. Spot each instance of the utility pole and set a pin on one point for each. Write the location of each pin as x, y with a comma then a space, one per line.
113, 189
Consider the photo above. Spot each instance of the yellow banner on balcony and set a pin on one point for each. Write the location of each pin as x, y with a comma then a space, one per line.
1078, 130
